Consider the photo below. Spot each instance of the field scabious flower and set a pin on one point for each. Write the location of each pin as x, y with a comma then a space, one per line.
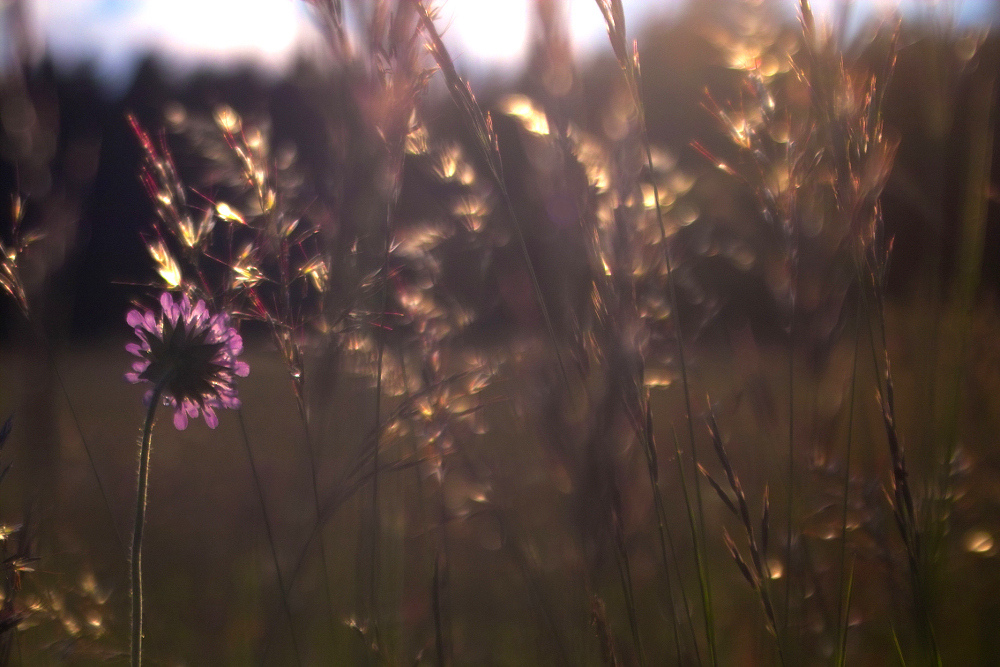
192, 354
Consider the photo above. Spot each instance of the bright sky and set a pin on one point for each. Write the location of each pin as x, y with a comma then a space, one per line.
484, 35
114, 32
481, 33
189, 32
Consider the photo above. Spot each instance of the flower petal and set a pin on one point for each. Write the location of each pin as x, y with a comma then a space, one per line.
210, 418
195, 349
199, 312
230, 401
185, 306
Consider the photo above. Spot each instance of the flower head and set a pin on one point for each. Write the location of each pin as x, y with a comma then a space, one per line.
192, 353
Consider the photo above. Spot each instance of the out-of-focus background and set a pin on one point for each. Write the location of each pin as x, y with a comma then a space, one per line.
94, 61
70, 164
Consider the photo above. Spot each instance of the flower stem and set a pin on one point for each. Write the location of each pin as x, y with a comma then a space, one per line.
140, 518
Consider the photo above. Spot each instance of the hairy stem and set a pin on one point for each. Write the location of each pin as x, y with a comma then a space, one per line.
140, 519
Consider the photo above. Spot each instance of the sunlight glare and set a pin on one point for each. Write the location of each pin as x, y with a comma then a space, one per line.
262, 28
486, 32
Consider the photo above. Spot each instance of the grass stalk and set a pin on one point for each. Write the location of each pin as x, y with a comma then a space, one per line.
529, 573
898, 647
625, 575
665, 536
699, 555
282, 589
685, 384
790, 504
969, 262
482, 127
599, 619
359, 475
140, 521
901, 497
661, 529
442, 579
79, 429
756, 572
439, 643
376, 524
841, 602
614, 17
311, 456
844, 618
297, 377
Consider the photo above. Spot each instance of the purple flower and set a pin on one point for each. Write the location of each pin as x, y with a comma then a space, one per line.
193, 353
